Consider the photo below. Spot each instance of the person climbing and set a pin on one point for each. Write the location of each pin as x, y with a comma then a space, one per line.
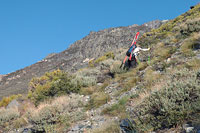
132, 53
132, 61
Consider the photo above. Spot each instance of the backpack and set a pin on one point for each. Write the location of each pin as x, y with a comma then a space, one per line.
128, 53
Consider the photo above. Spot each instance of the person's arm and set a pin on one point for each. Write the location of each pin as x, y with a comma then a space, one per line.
147, 49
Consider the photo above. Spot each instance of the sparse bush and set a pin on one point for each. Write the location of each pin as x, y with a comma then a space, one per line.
190, 26
47, 115
172, 105
7, 116
85, 81
60, 111
86, 77
20, 122
51, 84
6, 100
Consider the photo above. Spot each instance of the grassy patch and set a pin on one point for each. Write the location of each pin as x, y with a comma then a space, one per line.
163, 52
87, 90
150, 77
117, 109
193, 64
189, 45
141, 66
98, 99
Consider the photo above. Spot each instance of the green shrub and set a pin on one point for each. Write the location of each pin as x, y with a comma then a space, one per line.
91, 63
6, 100
172, 105
51, 84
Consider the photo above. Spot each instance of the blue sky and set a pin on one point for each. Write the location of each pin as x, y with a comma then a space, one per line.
32, 29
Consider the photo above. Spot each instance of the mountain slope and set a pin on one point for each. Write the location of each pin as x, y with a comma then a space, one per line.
161, 94
91, 46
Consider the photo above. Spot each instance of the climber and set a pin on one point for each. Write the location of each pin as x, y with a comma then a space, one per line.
132, 62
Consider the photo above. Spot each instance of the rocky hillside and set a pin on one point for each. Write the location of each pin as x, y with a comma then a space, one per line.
159, 95
91, 46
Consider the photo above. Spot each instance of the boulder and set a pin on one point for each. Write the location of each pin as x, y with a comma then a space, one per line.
127, 126
13, 104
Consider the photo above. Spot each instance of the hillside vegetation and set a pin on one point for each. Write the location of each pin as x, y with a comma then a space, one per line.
161, 94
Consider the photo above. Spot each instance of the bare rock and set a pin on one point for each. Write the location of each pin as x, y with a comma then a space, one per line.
13, 104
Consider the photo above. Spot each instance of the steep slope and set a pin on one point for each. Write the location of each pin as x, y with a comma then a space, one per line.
161, 94
91, 46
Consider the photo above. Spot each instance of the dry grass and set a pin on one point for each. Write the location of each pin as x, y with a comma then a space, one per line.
64, 103
193, 64
151, 77
141, 66
189, 44
162, 52
88, 90
121, 77
156, 83
98, 99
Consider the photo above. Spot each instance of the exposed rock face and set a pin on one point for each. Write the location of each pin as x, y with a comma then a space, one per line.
91, 46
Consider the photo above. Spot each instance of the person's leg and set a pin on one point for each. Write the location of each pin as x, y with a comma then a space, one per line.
133, 62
